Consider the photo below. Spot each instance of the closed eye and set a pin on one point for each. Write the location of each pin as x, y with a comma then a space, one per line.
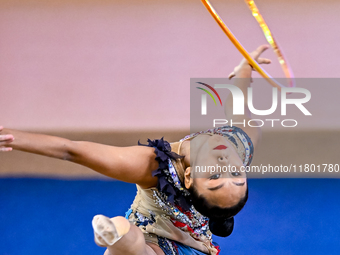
217, 187
239, 183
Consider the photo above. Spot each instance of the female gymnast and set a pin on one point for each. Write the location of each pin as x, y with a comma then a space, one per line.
175, 211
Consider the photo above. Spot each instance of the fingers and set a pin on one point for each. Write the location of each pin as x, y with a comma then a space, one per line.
231, 75
256, 53
263, 61
5, 140
5, 137
6, 149
256, 56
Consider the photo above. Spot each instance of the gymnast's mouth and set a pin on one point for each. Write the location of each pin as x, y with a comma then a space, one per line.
220, 147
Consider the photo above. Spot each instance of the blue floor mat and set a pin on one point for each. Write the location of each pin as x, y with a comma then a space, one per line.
282, 216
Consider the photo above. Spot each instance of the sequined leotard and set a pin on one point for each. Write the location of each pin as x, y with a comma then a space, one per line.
164, 213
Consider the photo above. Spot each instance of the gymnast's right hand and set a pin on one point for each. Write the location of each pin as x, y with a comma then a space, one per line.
5, 141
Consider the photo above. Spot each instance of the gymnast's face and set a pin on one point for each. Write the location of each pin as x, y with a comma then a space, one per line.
215, 170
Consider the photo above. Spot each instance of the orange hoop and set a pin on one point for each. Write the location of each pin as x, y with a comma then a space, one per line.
269, 36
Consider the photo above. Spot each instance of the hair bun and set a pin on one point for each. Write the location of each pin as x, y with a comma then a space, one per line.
221, 227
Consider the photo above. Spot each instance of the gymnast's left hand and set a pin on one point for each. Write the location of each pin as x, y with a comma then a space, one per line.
5, 141
256, 55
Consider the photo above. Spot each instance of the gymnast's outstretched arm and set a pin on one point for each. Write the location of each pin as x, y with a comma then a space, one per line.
129, 164
242, 73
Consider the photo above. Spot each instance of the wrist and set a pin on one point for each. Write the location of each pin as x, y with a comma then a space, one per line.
246, 66
244, 70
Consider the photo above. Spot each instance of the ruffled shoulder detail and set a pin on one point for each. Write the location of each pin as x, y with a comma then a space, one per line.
175, 192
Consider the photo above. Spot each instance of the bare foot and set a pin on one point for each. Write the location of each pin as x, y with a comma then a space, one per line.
108, 231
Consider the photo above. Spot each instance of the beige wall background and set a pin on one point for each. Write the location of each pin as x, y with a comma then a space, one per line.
103, 68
